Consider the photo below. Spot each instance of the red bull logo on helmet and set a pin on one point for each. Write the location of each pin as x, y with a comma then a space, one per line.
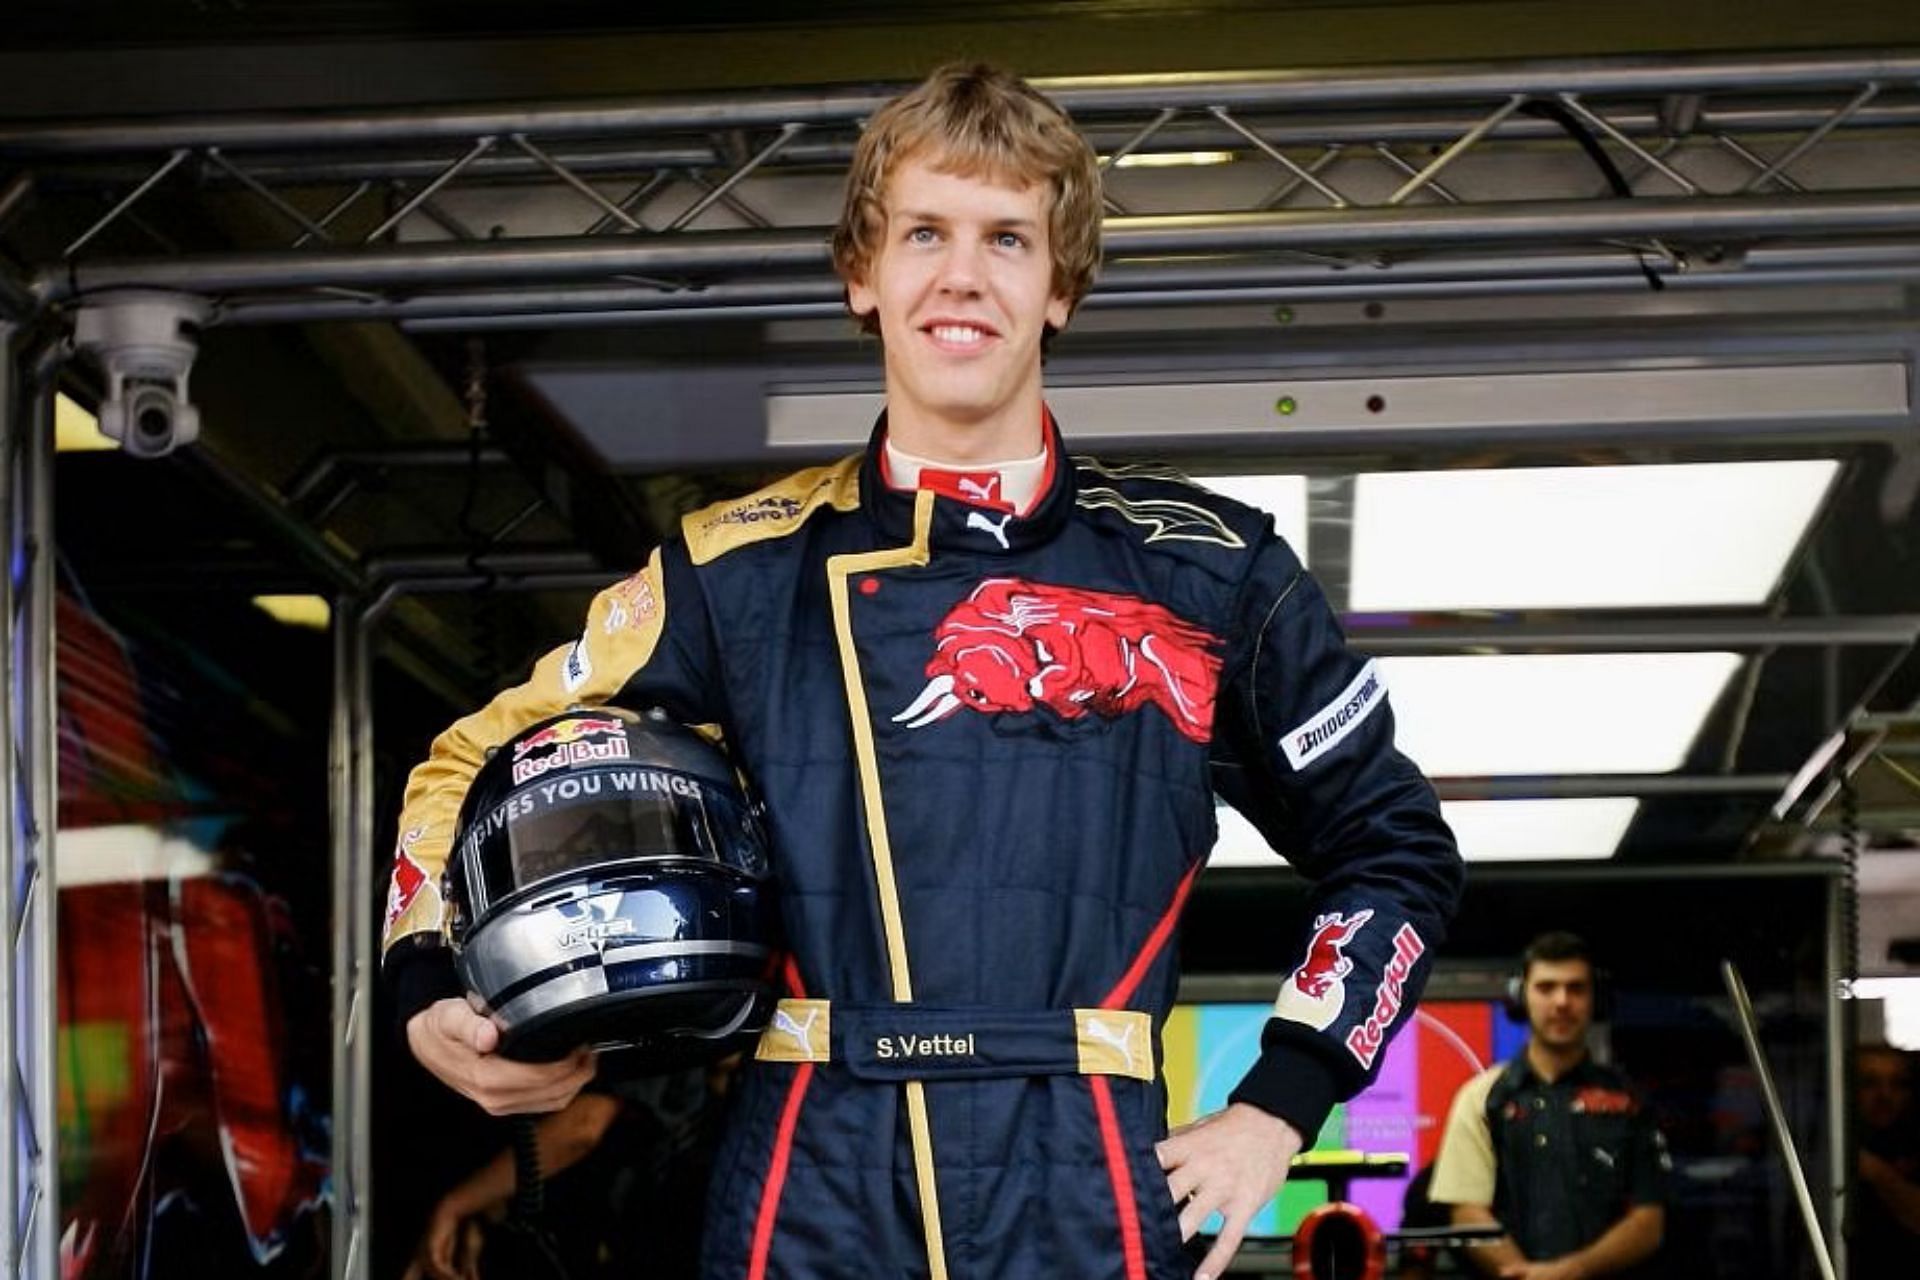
1013, 647
568, 743
1316, 992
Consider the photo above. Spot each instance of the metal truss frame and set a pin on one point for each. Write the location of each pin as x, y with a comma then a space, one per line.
1720, 154
681, 204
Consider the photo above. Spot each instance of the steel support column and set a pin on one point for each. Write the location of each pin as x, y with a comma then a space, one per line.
351, 799
16, 1165
1837, 1023
29, 1217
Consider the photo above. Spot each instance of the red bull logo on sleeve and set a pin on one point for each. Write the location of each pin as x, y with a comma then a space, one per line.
409, 881
1014, 646
1364, 1041
1316, 992
568, 743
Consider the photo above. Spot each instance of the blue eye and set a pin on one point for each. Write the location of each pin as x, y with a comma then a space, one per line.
921, 235
1010, 240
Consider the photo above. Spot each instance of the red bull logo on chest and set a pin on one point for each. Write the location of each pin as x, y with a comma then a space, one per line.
1316, 992
567, 743
1014, 647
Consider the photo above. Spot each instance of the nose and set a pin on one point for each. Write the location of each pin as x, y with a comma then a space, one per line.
960, 267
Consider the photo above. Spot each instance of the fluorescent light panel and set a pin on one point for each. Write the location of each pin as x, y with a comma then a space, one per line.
1491, 714
1702, 534
1558, 830
1282, 497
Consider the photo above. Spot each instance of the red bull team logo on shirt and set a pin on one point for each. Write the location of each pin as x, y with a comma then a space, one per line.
1317, 991
1014, 646
567, 743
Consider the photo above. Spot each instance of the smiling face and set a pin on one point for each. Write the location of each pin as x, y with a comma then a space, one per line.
962, 285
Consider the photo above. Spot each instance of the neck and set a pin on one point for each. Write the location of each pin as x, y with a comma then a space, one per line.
1015, 431
1549, 1062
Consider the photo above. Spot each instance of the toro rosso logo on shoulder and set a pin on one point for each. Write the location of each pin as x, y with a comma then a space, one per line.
1014, 646
567, 743
1316, 992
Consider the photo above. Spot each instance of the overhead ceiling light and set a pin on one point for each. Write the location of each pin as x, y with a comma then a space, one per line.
1171, 159
1282, 497
297, 611
1557, 830
76, 430
1703, 534
1555, 713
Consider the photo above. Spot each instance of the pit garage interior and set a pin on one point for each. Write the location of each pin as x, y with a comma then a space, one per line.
1572, 346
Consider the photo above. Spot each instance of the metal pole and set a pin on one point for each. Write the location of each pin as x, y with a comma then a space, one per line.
346, 1119
15, 1164
1750, 1034
1577, 785
503, 563
358, 906
42, 739
1127, 283
560, 259
1837, 1019
628, 158
1292, 90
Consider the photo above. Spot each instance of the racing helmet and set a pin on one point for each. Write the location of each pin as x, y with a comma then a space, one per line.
609, 886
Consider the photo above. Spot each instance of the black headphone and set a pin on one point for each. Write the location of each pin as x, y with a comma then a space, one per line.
1557, 945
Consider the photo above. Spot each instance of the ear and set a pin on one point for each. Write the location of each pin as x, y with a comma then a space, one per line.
1058, 309
861, 299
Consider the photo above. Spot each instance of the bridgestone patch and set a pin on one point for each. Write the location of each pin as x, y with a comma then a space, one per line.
1327, 727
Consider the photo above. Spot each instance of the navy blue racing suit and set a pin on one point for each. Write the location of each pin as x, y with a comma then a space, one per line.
989, 746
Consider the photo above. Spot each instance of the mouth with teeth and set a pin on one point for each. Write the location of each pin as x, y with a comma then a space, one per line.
959, 336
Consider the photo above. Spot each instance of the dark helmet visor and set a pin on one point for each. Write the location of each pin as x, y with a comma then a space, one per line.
591, 817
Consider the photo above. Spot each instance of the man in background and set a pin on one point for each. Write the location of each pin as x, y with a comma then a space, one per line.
1554, 1146
1886, 1209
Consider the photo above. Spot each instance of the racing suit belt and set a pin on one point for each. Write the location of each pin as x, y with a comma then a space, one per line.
900, 1042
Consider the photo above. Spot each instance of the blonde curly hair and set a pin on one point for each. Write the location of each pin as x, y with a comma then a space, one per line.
977, 121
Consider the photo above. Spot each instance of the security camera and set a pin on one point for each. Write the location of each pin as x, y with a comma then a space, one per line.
145, 342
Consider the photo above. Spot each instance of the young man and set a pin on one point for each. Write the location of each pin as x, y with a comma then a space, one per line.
1553, 1146
987, 691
